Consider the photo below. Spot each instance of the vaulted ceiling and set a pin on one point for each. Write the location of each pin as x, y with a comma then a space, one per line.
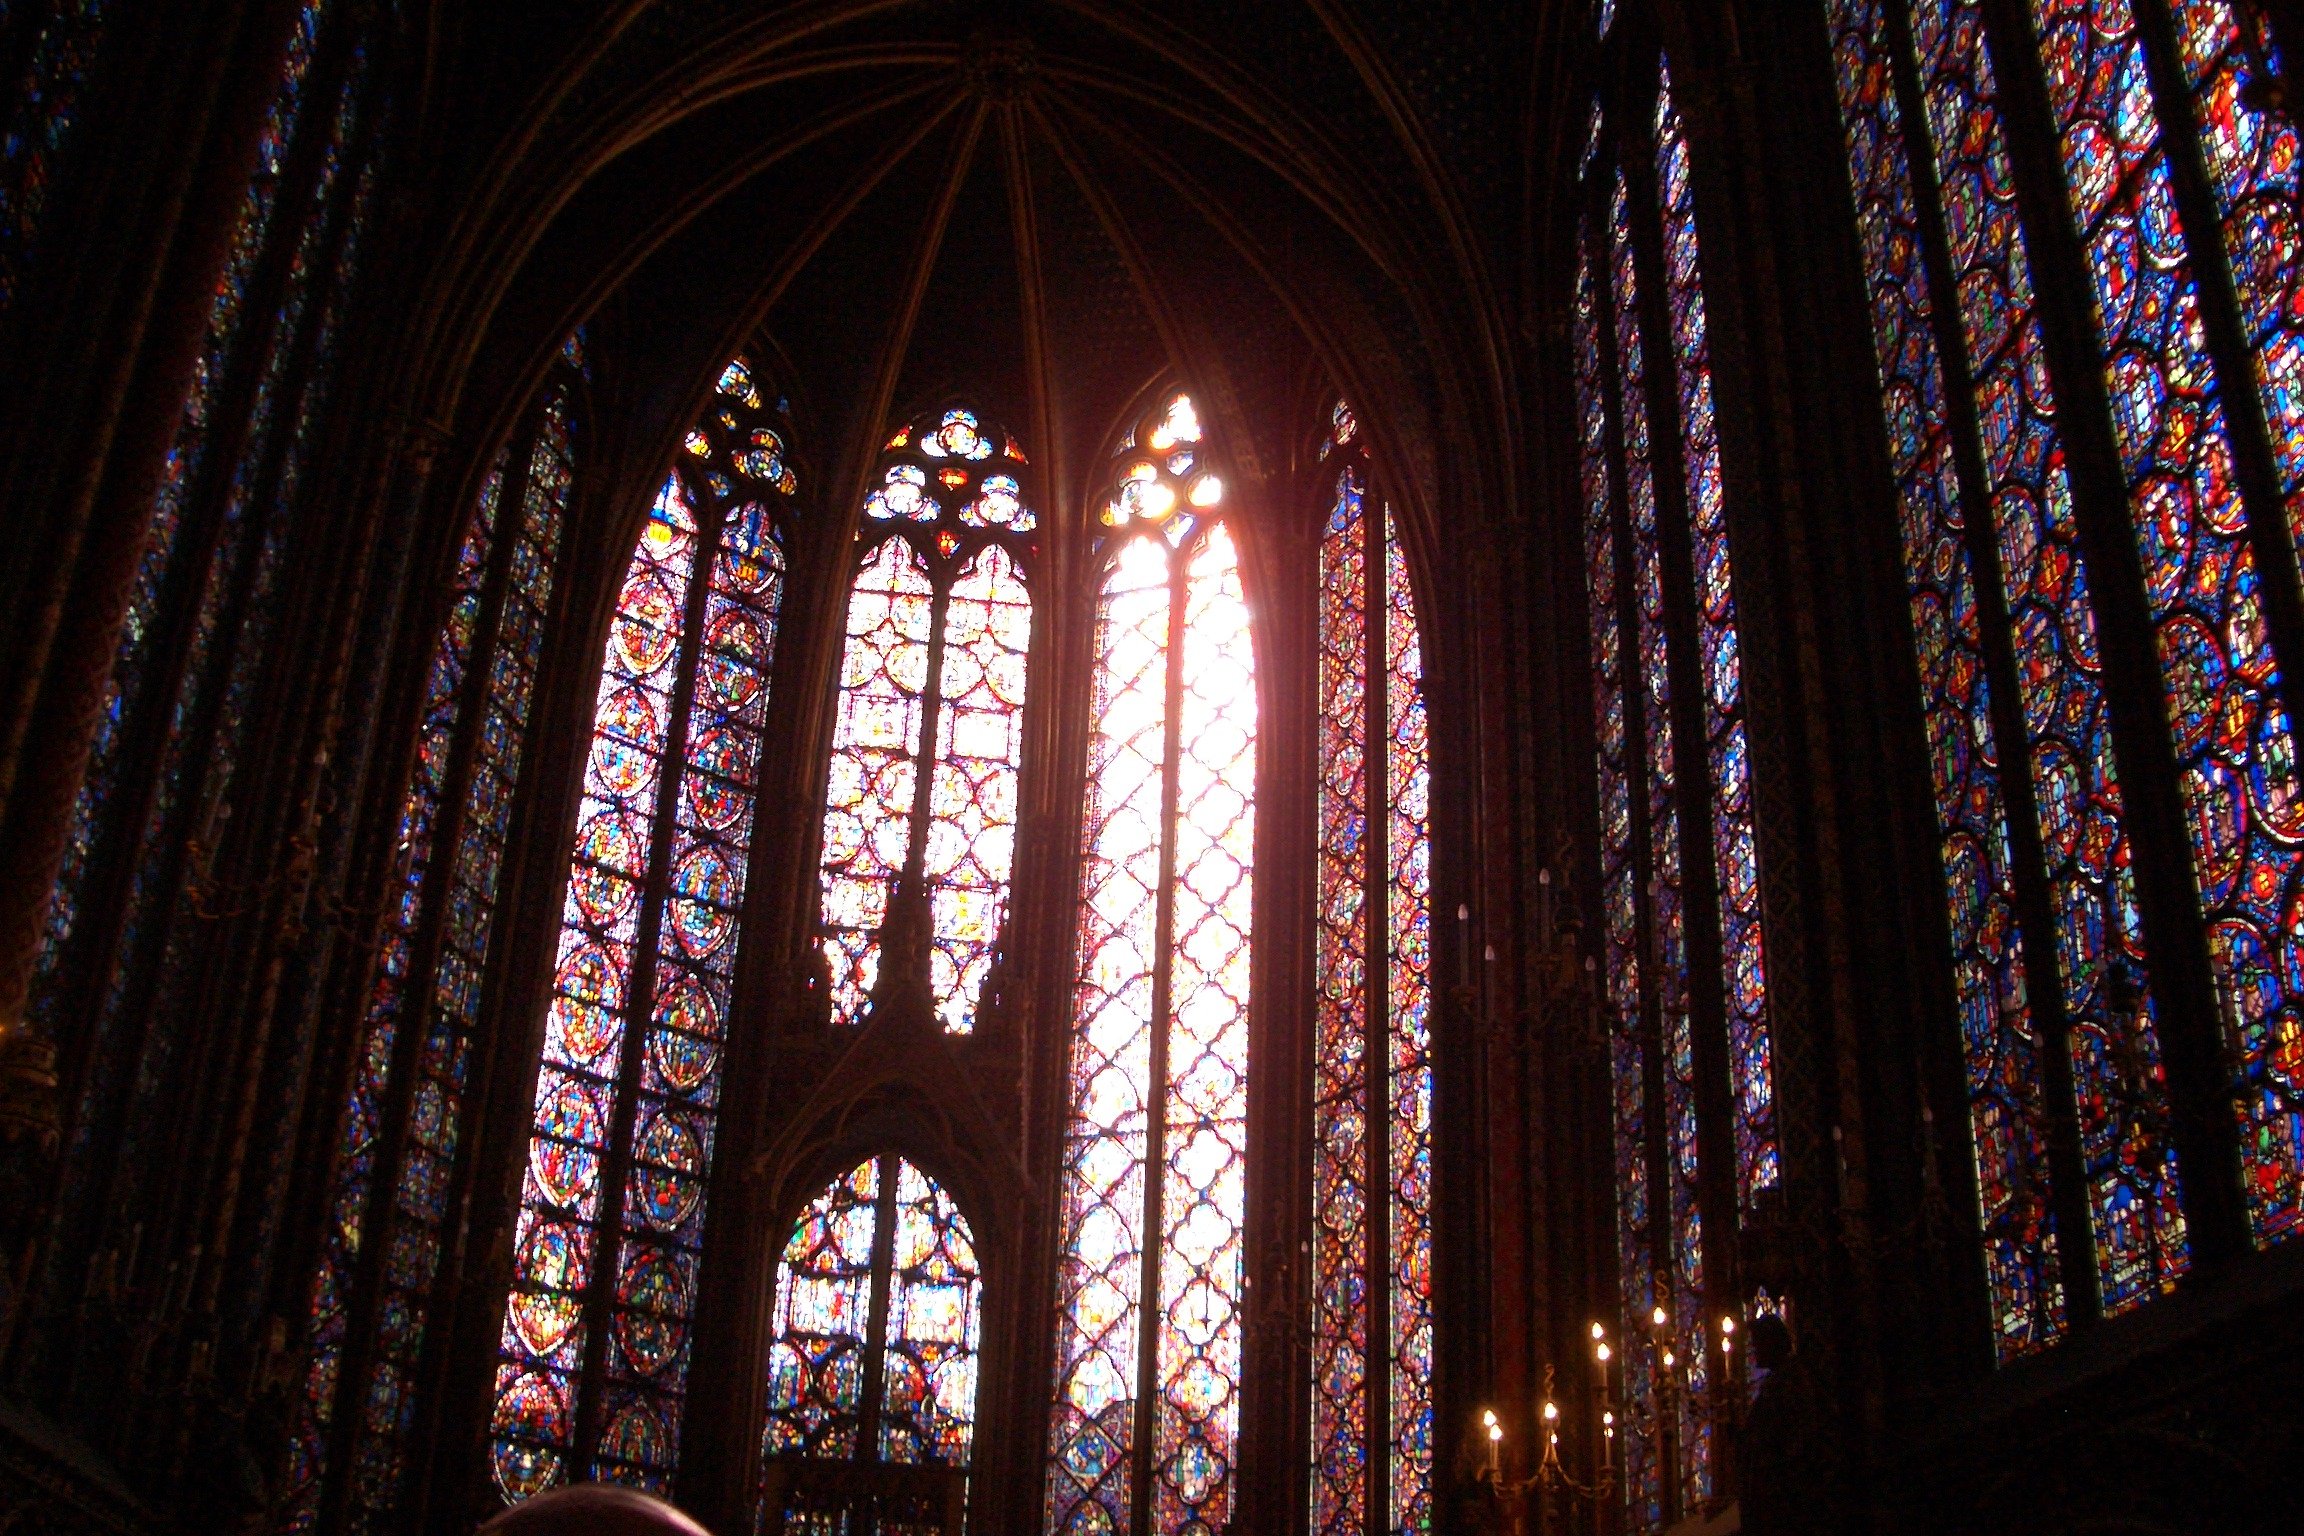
1043, 204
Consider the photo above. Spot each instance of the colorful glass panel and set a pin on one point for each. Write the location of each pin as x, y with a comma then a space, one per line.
134, 670
1342, 1139
1163, 1000
1743, 965
1371, 1141
44, 108
874, 776
490, 722
1101, 1266
822, 1322
2234, 745
1408, 873
949, 599
2234, 741
1667, 939
970, 843
935, 1323
2249, 146
1619, 873
2100, 945
643, 981
1999, 1035
879, 1315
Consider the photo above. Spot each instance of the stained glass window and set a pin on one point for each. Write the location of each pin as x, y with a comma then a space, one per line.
2189, 316
44, 108
594, 1357
916, 865
1145, 1427
405, 1115
2007, 1114
1605, 564
212, 538
2250, 149
2234, 742
879, 1308
1752, 1080
1372, 1067
1679, 857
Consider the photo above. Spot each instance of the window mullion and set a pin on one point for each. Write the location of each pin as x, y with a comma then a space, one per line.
905, 964
615, 1165
2036, 914
1376, 1076
1156, 1094
875, 1384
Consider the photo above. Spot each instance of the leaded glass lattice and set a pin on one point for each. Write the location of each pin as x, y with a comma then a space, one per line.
1144, 1431
1372, 1081
916, 863
2007, 1114
879, 1311
404, 1119
594, 1356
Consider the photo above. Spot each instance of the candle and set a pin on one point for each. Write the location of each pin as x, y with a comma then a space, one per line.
1495, 1440
1464, 946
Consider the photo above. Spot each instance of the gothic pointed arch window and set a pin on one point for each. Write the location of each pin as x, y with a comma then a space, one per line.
920, 805
873, 1352
402, 1125
200, 612
1145, 1424
2176, 167
1680, 896
1372, 1049
594, 1355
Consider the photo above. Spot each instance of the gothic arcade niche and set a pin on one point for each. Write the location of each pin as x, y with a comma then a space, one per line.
1338, 768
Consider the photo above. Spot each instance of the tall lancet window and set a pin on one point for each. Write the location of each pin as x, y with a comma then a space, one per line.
916, 864
593, 1362
879, 1309
1372, 1057
1145, 1424
1687, 971
403, 1120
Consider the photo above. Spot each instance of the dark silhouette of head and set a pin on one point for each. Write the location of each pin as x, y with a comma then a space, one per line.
593, 1509
1771, 1342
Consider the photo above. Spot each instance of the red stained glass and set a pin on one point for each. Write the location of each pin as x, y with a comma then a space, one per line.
2168, 416
478, 689
2240, 780
1619, 877
879, 1313
1667, 937
1371, 1128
